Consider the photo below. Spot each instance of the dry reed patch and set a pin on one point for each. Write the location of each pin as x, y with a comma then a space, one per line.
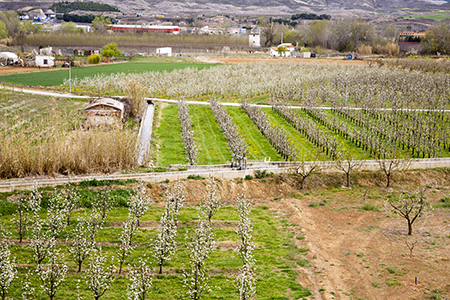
44, 136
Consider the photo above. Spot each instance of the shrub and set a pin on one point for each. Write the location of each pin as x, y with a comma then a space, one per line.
94, 59
248, 177
371, 207
365, 49
196, 177
263, 174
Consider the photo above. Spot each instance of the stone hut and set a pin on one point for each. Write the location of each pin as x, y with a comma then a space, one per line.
104, 111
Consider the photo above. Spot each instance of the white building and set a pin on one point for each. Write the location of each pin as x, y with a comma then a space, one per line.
9, 57
165, 51
254, 40
289, 50
45, 61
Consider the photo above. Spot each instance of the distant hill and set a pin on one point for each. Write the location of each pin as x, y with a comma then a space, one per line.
254, 7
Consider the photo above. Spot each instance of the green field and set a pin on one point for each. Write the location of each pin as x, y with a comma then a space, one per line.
276, 254
437, 17
56, 77
211, 142
258, 146
166, 142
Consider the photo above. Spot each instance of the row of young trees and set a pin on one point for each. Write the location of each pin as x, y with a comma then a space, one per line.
187, 134
51, 267
276, 135
235, 139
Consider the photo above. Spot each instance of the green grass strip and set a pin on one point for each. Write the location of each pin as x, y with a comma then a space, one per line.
304, 146
258, 146
56, 77
168, 137
212, 144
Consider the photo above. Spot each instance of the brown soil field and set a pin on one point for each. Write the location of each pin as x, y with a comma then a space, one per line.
354, 253
240, 60
12, 70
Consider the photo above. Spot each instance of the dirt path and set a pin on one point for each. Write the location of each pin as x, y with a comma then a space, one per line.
14, 69
358, 254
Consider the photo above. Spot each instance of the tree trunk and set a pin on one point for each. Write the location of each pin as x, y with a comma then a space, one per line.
388, 180
348, 179
79, 266
160, 268
409, 227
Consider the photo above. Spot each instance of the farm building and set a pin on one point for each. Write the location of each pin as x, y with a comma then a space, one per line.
289, 49
165, 51
45, 61
104, 111
254, 40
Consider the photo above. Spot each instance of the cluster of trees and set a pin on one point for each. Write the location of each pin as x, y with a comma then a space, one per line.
11, 27
342, 34
303, 16
52, 269
187, 134
67, 7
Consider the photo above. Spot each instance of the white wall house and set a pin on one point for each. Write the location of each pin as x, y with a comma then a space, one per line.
288, 53
166, 51
254, 40
45, 61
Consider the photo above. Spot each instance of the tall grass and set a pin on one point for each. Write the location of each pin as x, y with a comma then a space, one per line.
52, 141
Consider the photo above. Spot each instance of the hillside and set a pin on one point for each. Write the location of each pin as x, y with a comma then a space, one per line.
251, 7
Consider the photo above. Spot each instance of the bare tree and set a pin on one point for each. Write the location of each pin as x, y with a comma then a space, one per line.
21, 218
409, 207
270, 29
390, 163
141, 277
99, 276
138, 204
410, 246
82, 245
305, 169
8, 270
125, 247
200, 245
53, 273
163, 245
211, 203
347, 163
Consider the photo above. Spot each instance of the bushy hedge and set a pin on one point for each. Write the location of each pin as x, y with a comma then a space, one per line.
94, 59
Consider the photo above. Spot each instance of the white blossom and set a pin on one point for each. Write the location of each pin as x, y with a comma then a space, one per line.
200, 245
138, 204
53, 273
8, 270
125, 247
81, 244
141, 277
211, 203
99, 275
163, 245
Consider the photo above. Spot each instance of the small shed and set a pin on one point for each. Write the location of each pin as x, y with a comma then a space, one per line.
104, 111
45, 61
165, 51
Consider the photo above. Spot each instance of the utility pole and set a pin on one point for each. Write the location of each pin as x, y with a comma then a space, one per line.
70, 77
